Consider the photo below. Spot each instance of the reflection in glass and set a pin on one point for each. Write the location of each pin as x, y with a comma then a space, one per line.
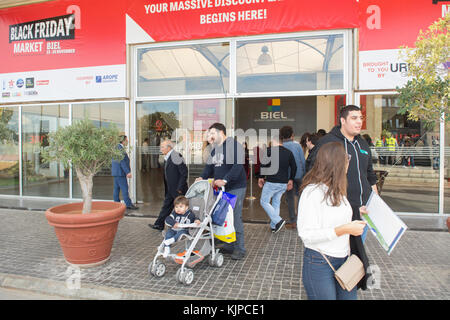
184, 70
407, 150
42, 178
9, 150
102, 115
294, 64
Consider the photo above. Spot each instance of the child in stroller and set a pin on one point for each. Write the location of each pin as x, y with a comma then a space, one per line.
199, 241
180, 215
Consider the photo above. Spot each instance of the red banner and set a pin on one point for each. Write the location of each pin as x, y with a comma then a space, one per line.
389, 24
62, 34
198, 19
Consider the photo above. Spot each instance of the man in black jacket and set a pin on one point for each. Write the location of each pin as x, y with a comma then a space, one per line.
175, 181
361, 178
279, 169
226, 166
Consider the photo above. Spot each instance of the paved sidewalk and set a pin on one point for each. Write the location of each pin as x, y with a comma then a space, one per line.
31, 259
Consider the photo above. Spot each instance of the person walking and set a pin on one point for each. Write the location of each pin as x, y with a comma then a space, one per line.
226, 167
120, 170
325, 224
311, 142
279, 169
175, 181
287, 136
361, 179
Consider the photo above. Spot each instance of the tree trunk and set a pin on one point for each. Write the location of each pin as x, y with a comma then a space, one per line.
86, 184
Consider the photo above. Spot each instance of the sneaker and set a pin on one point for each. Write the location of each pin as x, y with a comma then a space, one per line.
279, 226
238, 255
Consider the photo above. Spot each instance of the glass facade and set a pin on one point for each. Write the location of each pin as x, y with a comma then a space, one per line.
9, 151
245, 83
102, 115
183, 70
40, 178
408, 151
293, 64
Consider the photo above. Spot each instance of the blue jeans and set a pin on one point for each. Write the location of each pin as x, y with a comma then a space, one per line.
121, 184
272, 191
175, 234
318, 278
238, 224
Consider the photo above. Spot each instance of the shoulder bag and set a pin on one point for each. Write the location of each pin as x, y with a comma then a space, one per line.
350, 273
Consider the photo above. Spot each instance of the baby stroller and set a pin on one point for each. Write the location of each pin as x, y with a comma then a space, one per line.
199, 243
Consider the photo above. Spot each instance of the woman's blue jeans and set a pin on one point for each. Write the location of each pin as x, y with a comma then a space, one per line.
318, 278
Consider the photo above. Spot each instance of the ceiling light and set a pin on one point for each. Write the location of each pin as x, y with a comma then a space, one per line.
264, 59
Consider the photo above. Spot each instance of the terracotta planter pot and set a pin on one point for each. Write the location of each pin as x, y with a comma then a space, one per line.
86, 239
448, 224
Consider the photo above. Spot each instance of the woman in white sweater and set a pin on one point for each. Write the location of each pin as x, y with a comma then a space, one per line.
325, 223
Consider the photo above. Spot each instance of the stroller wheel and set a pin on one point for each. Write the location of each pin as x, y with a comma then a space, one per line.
188, 276
158, 269
217, 261
178, 276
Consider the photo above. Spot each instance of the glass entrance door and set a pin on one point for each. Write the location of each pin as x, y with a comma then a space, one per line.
156, 121
184, 122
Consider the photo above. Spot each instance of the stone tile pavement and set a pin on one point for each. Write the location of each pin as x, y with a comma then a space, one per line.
31, 259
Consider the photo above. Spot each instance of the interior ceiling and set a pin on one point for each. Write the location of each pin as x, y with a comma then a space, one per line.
15, 3
309, 55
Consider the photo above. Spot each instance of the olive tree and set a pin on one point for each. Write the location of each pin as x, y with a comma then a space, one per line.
425, 95
87, 149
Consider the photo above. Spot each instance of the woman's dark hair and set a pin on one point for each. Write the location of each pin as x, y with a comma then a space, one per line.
303, 139
329, 169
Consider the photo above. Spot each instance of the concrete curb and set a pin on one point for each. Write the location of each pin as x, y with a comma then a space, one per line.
87, 291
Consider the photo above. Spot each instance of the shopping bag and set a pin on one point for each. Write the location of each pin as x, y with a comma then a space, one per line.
226, 231
231, 198
220, 211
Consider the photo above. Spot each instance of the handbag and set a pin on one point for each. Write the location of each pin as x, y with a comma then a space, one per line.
350, 273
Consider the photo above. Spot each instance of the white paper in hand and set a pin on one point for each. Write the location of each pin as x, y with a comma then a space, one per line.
383, 222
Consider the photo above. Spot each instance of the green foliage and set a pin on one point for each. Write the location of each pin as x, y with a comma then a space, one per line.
85, 146
424, 100
5, 132
425, 96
